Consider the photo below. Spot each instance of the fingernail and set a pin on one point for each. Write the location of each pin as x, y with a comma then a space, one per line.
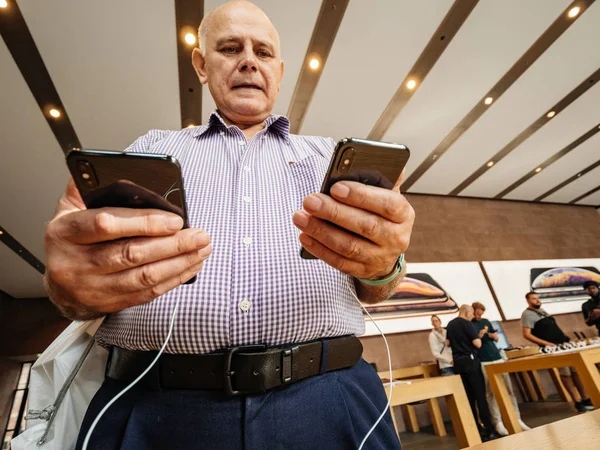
340, 190
175, 223
200, 239
300, 219
313, 202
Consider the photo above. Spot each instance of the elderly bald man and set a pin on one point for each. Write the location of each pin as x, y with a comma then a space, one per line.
264, 351
464, 339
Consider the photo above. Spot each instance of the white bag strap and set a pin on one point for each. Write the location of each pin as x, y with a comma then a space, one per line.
49, 412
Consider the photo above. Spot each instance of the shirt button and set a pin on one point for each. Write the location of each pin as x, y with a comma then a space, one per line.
247, 168
245, 305
246, 199
247, 240
242, 143
222, 133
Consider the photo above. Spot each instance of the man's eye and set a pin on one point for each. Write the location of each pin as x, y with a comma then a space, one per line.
229, 50
263, 54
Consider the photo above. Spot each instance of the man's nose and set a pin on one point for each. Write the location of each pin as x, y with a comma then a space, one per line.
248, 62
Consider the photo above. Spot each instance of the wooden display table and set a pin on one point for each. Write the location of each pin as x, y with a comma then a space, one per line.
577, 432
452, 389
408, 411
584, 360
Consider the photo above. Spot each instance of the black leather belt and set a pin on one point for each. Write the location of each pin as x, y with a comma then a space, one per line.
239, 370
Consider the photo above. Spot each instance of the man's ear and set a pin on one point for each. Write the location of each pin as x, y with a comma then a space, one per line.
281, 74
199, 62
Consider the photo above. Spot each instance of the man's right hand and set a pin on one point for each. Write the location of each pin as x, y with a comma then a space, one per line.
104, 260
482, 332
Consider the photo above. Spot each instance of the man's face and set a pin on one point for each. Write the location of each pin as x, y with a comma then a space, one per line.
534, 301
592, 291
242, 63
478, 313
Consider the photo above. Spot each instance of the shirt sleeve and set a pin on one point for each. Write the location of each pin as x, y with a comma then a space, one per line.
471, 331
491, 328
527, 321
437, 349
144, 143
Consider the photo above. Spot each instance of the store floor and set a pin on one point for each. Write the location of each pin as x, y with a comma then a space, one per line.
534, 414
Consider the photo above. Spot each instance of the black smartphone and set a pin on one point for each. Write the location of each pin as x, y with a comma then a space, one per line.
129, 180
369, 162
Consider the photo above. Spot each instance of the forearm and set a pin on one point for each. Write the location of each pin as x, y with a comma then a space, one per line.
538, 341
375, 294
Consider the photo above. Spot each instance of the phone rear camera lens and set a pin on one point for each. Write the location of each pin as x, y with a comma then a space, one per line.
85, 176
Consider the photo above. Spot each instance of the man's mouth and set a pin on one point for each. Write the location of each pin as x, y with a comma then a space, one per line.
247, 86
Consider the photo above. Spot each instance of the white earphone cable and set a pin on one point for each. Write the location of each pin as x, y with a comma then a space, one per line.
134, 382
389, 365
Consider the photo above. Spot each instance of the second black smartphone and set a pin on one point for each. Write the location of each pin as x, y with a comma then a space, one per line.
129, 180
369, 162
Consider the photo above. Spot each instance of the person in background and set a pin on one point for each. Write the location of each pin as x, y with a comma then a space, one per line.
591, 308
439, 349
489, 354
541, 329
465, 341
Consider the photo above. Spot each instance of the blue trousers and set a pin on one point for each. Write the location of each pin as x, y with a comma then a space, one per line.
331, 411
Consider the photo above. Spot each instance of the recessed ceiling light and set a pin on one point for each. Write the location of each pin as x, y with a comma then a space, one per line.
3, 3
538, 170
411, 84
190, 39
314, 64
490, 164
574, 11
488, 101
1, 232
435, 156
579, 174
551, 114
191, 125
55, 113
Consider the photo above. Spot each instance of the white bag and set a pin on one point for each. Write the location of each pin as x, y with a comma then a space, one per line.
62, 383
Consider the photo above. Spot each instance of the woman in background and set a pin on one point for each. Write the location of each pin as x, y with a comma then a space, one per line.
439, 349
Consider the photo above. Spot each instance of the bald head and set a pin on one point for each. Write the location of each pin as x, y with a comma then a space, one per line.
223, 11
466, 312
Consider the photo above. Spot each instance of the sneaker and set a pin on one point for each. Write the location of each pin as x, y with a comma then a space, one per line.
524, 426
501, 429
587, 402
582, 407
489, 436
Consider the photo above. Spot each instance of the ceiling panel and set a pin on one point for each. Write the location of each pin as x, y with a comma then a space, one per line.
33, 169
295, 23
573, 190
563, 129
593, 199
478, 56
365, 67
567, 166
17, 278
539, 88
114, 64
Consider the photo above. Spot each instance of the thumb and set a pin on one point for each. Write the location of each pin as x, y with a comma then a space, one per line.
71, 200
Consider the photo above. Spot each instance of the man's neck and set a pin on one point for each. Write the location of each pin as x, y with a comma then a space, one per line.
249, 130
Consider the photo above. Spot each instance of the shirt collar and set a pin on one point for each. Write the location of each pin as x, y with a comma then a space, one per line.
276, 123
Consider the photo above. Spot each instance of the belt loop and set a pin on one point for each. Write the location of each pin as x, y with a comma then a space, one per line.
324, 356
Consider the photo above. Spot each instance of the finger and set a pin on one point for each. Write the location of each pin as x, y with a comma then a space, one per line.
400, 180
151, 275
364, 223
332, 258
341, 242
386, 203
138, 298
122, 254
106, 224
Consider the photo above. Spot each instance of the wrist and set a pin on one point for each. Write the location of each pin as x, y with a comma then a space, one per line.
387, 278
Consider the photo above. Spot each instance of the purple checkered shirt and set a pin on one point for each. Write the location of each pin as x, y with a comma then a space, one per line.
254, 288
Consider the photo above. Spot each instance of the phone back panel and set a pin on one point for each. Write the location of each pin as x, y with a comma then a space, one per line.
375, 163
128, 180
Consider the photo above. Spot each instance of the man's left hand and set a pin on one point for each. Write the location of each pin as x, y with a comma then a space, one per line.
360, 230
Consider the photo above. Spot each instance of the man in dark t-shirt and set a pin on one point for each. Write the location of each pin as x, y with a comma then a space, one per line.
465, 340
489, 354
591, 308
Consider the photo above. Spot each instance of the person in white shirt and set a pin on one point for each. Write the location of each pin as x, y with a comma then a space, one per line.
439, 349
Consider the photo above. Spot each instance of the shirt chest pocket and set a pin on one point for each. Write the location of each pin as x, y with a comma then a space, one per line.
305, 177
